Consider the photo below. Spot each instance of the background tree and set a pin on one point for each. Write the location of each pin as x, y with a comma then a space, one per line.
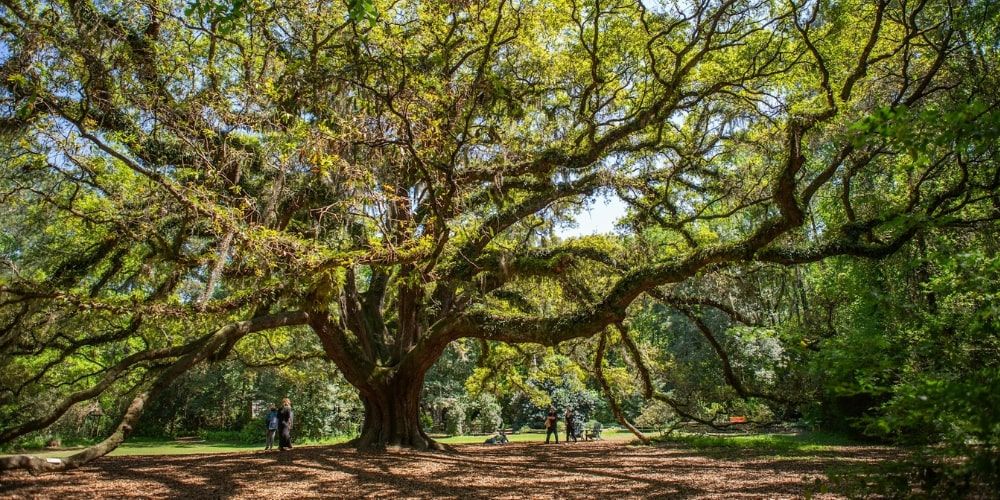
182, 178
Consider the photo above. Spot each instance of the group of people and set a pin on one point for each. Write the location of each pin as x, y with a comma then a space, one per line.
553, 418
279, 422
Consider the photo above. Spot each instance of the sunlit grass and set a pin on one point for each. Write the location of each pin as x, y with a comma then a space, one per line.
778, 443
804, 442
809, 442
161, 447
533, 437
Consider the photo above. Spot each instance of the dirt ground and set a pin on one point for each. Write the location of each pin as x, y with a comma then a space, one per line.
580, 470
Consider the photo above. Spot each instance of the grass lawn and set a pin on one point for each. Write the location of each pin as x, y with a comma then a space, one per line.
162, 447
137, 447
533, 437
778, 443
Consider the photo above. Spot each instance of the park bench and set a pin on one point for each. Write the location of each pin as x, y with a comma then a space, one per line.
592, 434
739, 423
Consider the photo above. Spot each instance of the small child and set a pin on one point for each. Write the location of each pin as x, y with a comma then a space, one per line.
271, 423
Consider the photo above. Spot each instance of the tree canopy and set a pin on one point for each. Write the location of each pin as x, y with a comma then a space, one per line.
367, 183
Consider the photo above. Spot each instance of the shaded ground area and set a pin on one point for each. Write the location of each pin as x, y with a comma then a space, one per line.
593, 469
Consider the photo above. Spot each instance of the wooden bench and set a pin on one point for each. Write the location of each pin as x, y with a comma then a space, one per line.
740, 423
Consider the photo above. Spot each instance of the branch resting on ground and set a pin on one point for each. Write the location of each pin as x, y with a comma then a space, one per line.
208, 345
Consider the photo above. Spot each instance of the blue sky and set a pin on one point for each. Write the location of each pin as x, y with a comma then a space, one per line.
598, 217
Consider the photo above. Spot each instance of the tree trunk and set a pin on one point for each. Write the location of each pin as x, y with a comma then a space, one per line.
389, 386
392, 416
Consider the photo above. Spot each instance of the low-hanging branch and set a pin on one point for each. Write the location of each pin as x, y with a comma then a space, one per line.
192, 355
649, 390
732, 379
609, 395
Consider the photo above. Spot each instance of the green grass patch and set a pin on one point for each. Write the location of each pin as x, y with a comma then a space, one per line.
513, 438
790, 443
147, 446
152, 446
532, 437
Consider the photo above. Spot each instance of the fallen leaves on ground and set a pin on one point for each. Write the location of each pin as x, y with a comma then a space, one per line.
579, 470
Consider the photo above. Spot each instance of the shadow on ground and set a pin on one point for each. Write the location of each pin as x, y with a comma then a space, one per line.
514, 471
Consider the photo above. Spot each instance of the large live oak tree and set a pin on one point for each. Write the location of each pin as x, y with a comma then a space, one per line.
391, 181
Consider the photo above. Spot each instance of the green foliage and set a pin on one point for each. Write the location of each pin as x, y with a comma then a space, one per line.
925, 133
215, 402
915, 360
362, 10
221, 14
963, 410
484, 414
656, 415
454, 417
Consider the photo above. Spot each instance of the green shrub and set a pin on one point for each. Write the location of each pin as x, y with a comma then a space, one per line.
454, 420
484, 413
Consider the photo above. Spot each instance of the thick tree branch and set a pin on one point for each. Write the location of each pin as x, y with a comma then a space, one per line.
201, 350
616, 409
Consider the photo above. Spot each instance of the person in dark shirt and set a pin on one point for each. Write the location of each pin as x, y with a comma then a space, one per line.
271, 424
570, 425
550, 425
285, 419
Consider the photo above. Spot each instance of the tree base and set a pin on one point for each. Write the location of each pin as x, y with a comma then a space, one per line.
426, 444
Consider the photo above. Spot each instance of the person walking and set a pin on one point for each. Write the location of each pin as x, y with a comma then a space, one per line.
271, 424
570, 425
285, 420
550, 425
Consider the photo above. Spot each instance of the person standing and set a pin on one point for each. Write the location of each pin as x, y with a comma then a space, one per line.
550, 425
570, 425
285, 419
271, 424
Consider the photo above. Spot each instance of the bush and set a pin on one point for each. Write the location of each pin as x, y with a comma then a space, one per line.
959, 412
484, 412
426, 421
656, 415
454, 416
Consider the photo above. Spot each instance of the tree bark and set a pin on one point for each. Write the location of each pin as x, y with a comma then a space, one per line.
389, 387
36, 465
392, 415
